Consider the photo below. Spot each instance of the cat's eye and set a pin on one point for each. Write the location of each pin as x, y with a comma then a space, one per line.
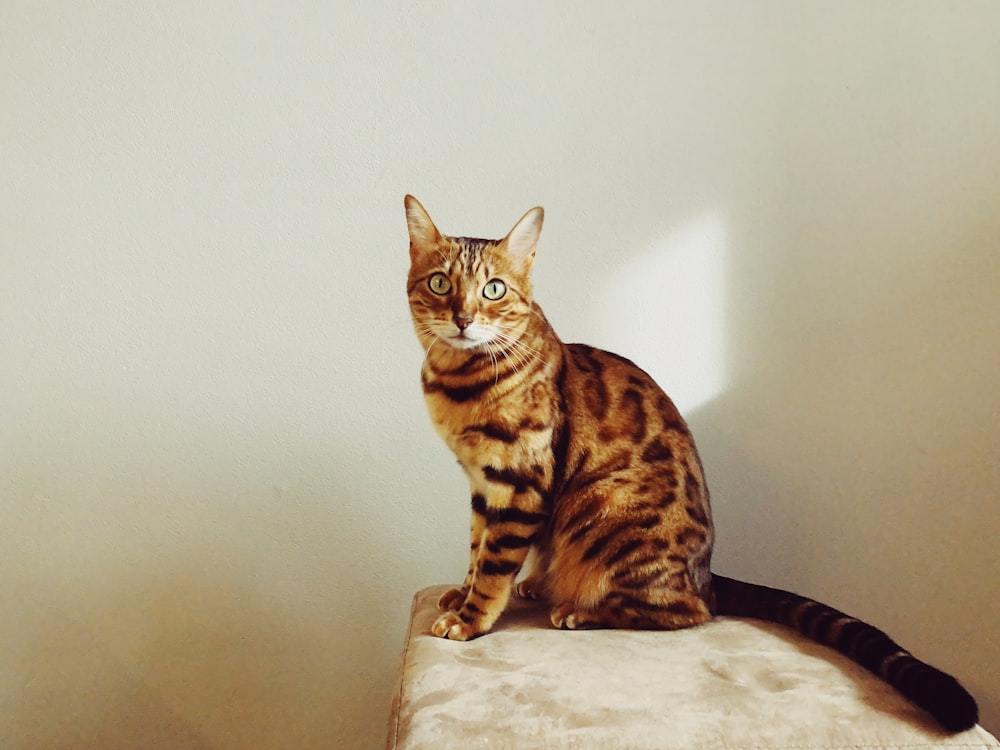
439, 284
494, 289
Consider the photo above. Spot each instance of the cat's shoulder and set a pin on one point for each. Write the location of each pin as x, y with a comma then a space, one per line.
591, 358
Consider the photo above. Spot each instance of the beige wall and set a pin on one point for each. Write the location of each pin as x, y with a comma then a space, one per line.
218, 485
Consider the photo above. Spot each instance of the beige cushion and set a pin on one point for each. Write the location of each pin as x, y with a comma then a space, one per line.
732, 683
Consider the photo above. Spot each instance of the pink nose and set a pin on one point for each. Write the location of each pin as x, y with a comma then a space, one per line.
463, 322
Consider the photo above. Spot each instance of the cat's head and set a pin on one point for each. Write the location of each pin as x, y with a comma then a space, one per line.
465, 292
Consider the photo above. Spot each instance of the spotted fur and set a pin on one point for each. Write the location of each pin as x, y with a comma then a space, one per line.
577, 454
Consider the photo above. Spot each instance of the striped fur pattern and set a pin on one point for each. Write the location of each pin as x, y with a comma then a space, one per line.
576, 454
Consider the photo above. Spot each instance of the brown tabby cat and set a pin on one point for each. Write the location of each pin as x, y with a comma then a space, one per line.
577, 453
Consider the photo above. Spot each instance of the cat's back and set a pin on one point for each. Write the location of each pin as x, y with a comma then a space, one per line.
626, 436
615, 403
632, 496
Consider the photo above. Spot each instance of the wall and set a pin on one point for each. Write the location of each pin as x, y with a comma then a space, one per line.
219, 488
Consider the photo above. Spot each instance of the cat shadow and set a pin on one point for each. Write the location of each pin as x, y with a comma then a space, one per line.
876, 694
524, 613
868, 688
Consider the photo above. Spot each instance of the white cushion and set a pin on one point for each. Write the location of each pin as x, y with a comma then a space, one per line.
732, 683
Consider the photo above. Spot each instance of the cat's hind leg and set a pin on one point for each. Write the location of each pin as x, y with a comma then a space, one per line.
532, 586
681, 610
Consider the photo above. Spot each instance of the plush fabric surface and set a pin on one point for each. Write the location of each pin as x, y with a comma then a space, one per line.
730, 684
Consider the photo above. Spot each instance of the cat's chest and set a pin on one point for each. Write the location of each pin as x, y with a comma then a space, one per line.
514, 429
453, 420
459, 423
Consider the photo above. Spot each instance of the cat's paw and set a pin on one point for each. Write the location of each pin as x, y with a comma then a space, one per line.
452, 600
454, 628
529, 588
566, 617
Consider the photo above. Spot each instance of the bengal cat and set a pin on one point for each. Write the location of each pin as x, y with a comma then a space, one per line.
577, 453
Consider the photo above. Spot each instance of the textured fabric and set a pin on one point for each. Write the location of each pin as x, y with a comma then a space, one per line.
729, 684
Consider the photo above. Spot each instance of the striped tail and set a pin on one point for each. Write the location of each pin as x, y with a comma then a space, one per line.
934, 691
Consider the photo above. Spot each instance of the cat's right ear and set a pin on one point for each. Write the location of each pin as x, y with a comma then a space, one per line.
523, 238
423, 233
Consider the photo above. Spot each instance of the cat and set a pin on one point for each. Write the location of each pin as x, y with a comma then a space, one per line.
576, 453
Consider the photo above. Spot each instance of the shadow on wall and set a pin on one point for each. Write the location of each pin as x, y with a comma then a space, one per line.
836, 385
188, 674
248, 632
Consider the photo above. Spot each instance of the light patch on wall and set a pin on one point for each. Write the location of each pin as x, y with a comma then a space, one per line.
666, 310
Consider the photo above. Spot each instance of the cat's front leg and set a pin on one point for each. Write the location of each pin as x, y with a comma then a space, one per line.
453, 599
495, 569
507, 528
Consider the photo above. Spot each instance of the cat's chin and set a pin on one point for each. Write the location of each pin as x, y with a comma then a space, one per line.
465, 343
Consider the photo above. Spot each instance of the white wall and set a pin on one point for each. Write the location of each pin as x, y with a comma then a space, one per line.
219, 488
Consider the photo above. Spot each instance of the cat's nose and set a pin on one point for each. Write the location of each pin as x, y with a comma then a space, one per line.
463, 322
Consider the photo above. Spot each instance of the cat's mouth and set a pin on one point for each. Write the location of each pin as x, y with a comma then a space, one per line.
468, 338
462, 340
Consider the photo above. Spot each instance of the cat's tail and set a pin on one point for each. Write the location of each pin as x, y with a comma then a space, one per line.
938, 693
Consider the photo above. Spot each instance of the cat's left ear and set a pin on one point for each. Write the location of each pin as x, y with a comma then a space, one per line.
523, 238
423, 233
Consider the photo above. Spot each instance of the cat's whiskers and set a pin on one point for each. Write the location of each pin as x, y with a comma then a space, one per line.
503, 328
515, 347
513, 352
492, 350
426, 332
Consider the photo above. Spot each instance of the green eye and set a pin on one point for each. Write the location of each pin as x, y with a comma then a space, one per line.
494, 289
439, 284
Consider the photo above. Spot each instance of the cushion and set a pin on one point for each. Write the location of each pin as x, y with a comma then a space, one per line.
732, 683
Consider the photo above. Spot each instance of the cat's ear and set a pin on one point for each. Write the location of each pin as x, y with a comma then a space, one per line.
423, 233
523, 238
